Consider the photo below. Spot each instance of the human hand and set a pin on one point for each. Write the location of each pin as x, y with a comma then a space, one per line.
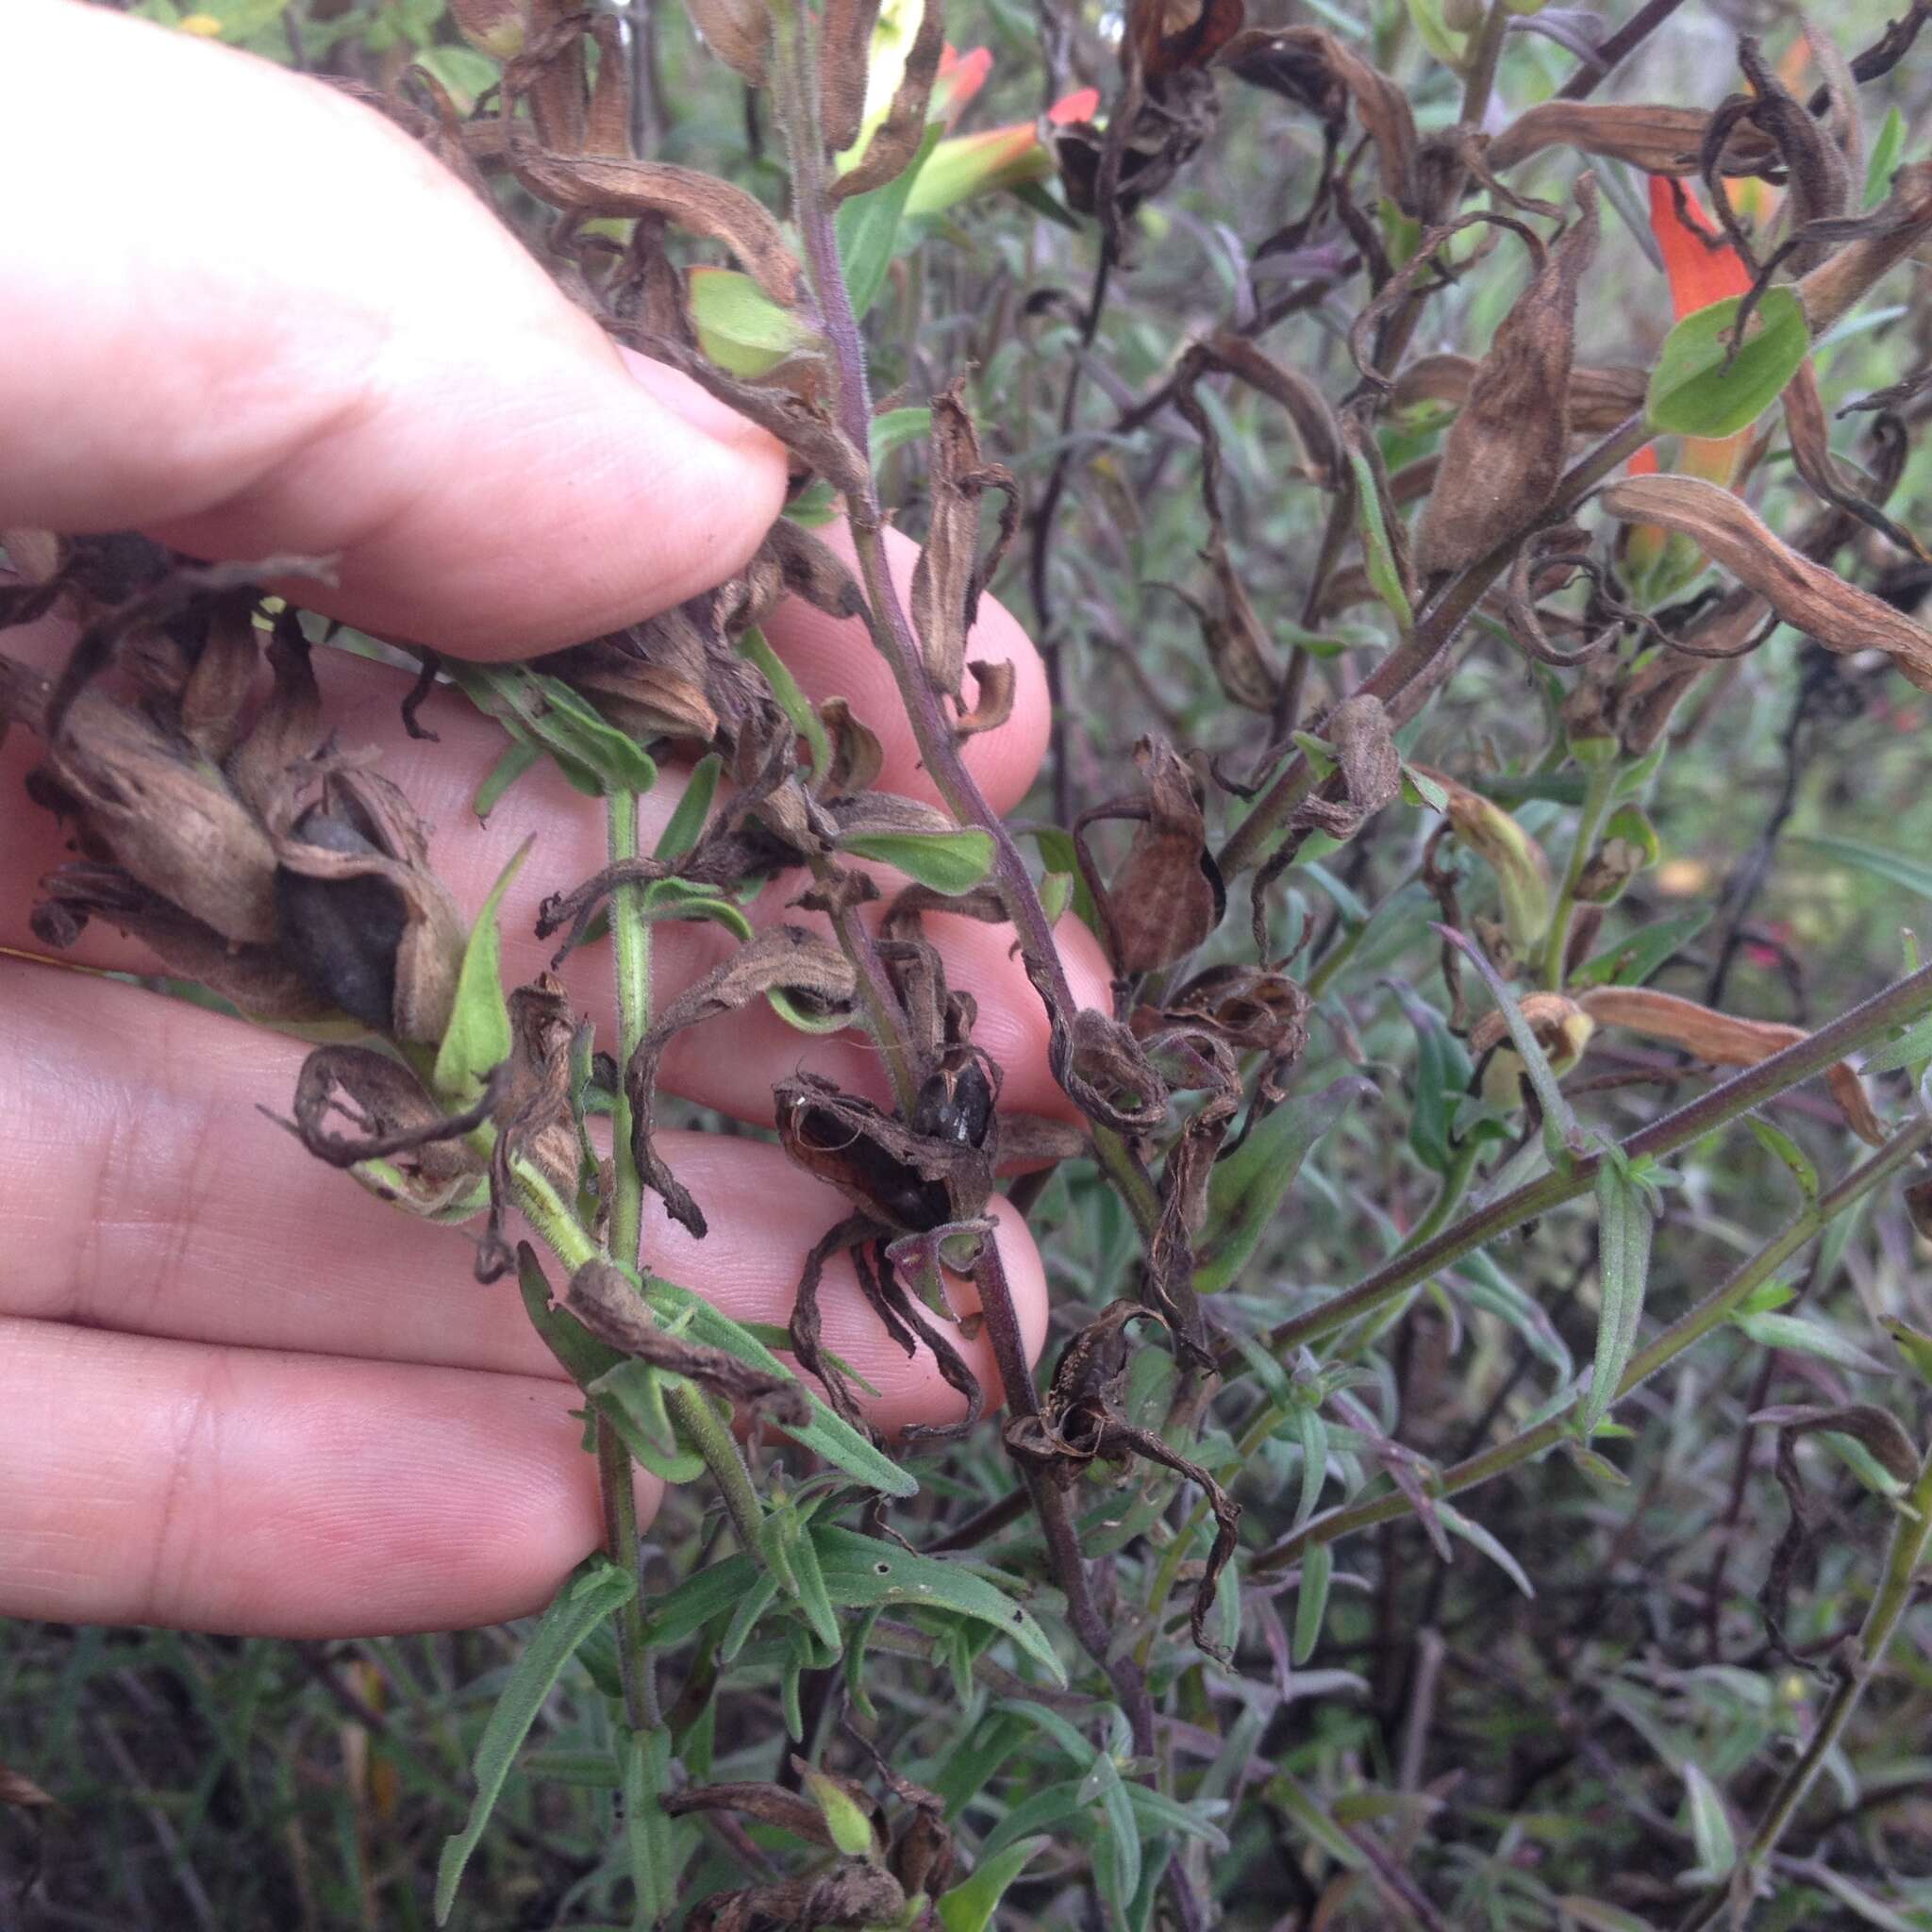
249, 317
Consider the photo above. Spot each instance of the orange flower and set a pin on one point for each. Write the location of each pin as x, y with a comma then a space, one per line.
1700, 264
999, 158
960, 76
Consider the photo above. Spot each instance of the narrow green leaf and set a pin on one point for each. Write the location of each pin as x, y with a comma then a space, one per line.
1914, 875
868, 228
1312, 1600
1632, 960
1886, 150
799, 709
517, 759
1384, 578
477, 1035
593, 1592
969, 1906
1692, 392
687, 824
1806, 1336
1623, 1231
894, 428
950, 863
1774, 1141
1473, 1533
1560, 1131
1245, 1189
631, 1398
1908, 1050
1710, 1823
862, 1571
826, 1434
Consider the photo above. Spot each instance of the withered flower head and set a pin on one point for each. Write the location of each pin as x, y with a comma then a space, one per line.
362, 917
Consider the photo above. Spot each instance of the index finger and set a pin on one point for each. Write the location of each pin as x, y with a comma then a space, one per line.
255, 319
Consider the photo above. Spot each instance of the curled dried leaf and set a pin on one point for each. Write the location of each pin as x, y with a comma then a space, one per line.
1167, 895
812, 971
1725, 1041
1505, 450
950, 576
1310, 413
897, 137
1878, 1429
1658, 140
389, 1111
1368, 769
1874, 246
1600, 399
607, 185
738, 32
1807, 596
1321, 72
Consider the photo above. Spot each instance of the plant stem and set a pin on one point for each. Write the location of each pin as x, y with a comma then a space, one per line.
1911, 1532
1596, 802
1904, 1000
630, 935
1684, 1333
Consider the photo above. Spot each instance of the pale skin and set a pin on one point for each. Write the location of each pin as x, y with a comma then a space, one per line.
237, 1394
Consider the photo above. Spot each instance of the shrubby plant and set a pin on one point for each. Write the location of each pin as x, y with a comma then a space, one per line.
1371, 1548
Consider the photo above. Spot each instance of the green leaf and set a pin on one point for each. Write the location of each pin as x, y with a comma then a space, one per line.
868, 227
1441, 1081
1908, 1050
949, 862
969, 1906
1692, 392
1710, 1824
477, 1037
630, 1397
1312, 1600
850, 1827
826, 1434
687, 824
791, 701
1886, 150
1624, 1229
1384, 577
545, 713
1914, 1346
594, 1590
1244, 1189
1632, 960
1473, 1533
1914, 875
1772, 1330
1427, 791
862, 1571
517, 759
1561, 1134
1774, 1141
740, 328
894, 428
583, 1357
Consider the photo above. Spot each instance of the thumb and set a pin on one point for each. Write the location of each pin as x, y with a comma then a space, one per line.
249, 316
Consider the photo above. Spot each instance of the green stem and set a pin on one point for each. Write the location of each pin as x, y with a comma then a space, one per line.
1596, 803
1685, 1332
1904, 1000
630, 933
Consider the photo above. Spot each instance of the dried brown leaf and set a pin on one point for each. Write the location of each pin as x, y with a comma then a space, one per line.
1882, 240
897, 137
1724, 1040
1807, 596
1167, 895
814, 972
607, 185
1506, 449
1658, 140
